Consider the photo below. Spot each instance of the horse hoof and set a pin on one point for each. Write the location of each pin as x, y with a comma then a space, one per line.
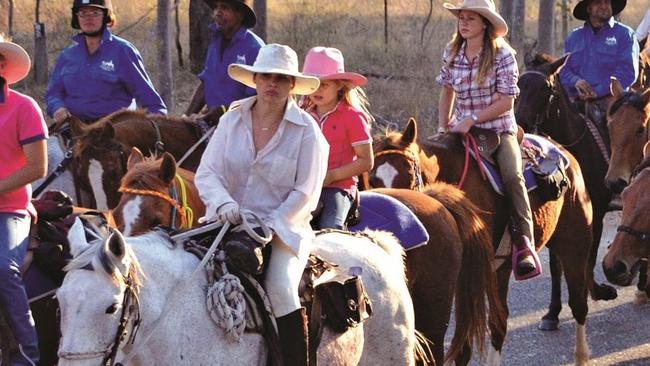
604, 292
549, 325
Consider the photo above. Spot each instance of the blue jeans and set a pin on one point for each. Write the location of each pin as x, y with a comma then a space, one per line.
14, 238
336, 205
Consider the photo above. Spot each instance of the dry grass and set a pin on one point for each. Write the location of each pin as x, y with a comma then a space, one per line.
403, 82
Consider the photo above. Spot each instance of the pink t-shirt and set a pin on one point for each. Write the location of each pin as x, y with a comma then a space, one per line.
344, 128
21, 123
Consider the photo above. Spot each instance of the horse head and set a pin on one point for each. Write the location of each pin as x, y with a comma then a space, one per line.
536, 85
102, 275
156, 193
99, 163
627, 120
631, 244
399, 161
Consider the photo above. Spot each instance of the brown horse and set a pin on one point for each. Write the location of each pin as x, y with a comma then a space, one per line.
543, 107
156, 193
101, 149
631, 246
399, 159
627, 120
457, 241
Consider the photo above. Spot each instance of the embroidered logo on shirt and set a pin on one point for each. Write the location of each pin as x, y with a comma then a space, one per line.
107, 66
241, 59
610, 41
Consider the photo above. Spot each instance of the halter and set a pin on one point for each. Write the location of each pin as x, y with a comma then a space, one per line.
413, 160
642, 236
184, 212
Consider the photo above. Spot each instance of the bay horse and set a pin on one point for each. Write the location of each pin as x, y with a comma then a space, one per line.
101, 149
543, 108
631, 246
139, 276
455, 263
563, 225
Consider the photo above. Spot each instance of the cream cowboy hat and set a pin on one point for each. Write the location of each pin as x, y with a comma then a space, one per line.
485, 8
275, 59
326, 63
18, 62
580, 10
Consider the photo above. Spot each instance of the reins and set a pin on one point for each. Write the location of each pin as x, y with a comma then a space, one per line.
159, 146
470, 145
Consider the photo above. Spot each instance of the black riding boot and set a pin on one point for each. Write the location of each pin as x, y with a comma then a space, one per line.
293, 336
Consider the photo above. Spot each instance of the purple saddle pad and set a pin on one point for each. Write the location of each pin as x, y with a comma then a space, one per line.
382, 212
37, 284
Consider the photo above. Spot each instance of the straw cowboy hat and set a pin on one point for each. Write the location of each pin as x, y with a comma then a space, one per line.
326, 63
275, 59
580, 10
18, 62
249, 15
485, 8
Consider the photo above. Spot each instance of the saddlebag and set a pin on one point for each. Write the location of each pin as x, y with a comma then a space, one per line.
344, 302
551, 177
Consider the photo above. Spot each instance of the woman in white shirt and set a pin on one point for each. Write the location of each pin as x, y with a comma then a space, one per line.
268, 156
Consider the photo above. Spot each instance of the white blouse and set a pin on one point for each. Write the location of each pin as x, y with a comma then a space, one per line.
281, 184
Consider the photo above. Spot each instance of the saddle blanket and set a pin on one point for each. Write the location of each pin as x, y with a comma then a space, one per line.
382, 212
548, 150
37, 284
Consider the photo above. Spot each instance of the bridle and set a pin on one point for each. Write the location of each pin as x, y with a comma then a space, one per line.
545, 112
411, 157
642, 236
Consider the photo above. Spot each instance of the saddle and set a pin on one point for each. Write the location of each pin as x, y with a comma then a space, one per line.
487, 141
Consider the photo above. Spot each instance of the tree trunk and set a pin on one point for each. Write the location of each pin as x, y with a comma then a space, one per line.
505, 9
565, 19
200, 19
165, 80
259, 6
10, 19
177, 28
40, 48
519, 15
546, 26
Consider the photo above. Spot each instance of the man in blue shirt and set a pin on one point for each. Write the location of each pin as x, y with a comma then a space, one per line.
232, 42
600, 49
99, 74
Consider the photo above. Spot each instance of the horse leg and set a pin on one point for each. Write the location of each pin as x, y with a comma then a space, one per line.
498, 328
47, 329
599, 291
551, 320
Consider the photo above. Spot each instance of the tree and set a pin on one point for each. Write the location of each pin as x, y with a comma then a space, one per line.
505, 9
259, 7
163, 45
10, 19
200, 19
517, 35
546, 26
40, 48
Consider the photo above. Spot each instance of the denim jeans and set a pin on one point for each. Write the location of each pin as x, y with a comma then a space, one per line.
336, 205
14, 238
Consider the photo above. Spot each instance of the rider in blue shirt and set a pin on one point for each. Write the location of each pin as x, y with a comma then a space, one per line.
232, 42
600, 49
99, 74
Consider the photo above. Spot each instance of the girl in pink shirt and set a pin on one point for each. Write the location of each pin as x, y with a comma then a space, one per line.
23, 159
341, 109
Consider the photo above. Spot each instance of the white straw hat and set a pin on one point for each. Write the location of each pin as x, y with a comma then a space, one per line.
275, 59
18, 62
485, 8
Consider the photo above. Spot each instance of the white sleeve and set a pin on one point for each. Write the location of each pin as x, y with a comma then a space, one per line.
644, 28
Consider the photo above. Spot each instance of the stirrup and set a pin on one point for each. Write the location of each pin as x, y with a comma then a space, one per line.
522, 252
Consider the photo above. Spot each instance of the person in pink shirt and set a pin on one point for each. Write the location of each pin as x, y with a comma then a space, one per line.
341, 109
23, 159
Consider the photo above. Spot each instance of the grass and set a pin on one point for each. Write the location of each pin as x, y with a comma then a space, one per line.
403, 71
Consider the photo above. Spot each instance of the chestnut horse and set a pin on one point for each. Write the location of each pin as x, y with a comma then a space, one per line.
457, 241
101, 149
544, 108
631, 246
400, 162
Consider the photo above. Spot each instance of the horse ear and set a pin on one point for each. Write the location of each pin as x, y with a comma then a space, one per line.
555, 65
615, 87
135, 157
646, 151
108, 132
77, 238
115, 245
167, 168
410, 134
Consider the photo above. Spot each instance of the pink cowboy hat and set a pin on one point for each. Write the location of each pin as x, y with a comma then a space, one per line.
18, 62
326, 63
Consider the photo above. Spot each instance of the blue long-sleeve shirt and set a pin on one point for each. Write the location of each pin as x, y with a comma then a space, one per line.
595, 57
219, 88
93, 86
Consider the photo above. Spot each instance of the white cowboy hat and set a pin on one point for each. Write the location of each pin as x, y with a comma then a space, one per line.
485, 8
275, 59
18, 62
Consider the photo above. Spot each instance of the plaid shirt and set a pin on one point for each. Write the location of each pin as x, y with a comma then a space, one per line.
472, 98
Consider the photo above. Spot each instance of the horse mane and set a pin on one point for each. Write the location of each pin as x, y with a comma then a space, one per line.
144, 175
141, 114
634, 99
540, 59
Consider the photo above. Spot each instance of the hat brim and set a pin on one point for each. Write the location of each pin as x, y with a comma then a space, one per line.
348, 77
305, 84
580, 10
499, 24
18, 62
249, 20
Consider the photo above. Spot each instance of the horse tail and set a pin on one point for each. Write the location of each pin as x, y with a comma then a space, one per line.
477, 279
